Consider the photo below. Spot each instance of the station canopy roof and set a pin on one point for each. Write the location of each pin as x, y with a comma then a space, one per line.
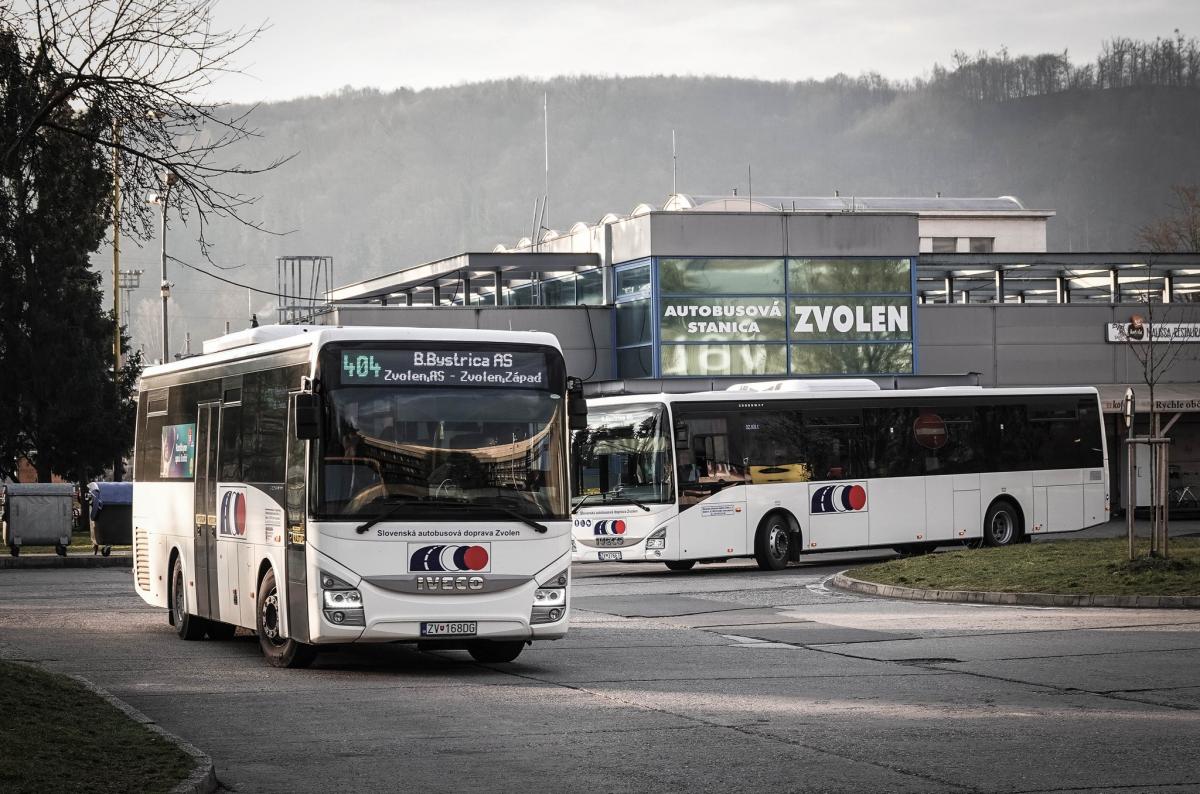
483, 267
925, 205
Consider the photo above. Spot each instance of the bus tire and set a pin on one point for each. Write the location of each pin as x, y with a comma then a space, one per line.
279, 652
1001, 525
679, 565
188, 627
772, 543
495, 651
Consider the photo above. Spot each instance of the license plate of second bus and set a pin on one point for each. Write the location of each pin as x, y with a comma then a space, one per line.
609, 556
461, 629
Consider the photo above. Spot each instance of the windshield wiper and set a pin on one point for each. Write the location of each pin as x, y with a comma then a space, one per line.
618, 491
399, 504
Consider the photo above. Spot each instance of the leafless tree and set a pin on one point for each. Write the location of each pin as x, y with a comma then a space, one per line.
147, 66
1179, 232
1158, 343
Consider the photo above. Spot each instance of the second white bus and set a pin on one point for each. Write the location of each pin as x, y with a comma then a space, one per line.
773, 470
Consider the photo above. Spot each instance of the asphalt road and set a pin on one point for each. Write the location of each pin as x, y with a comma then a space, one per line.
723, 679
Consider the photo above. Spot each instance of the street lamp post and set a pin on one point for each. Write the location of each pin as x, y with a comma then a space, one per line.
162, 199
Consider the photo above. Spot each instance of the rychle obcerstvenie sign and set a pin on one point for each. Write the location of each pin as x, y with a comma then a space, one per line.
1152, 332
521, 369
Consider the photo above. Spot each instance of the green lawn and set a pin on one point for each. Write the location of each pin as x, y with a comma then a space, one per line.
1076, 567
58, 736
81, 543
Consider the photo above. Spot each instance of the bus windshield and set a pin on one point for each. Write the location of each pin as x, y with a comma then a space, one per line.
432, 447
624, 456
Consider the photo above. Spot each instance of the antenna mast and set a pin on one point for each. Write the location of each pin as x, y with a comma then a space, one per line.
674, 163
546, 134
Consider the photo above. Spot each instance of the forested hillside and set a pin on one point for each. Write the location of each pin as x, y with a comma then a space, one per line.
385, 180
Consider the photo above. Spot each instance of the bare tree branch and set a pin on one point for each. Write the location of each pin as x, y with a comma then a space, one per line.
146, 65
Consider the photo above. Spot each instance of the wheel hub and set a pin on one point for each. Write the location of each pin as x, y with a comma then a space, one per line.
779, 542
270, 618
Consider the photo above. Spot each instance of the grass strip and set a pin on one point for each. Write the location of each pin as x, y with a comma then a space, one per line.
58, 736
81, 543
1075, 567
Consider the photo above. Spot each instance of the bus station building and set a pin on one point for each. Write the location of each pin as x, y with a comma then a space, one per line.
902, 290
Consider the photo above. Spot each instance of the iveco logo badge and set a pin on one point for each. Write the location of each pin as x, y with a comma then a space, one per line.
476, 558
609, 527
450, 584
839, 498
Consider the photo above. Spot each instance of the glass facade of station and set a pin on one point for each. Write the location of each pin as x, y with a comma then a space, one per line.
711, 316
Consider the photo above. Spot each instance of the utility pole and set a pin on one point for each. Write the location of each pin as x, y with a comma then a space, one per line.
116, 221
163, 199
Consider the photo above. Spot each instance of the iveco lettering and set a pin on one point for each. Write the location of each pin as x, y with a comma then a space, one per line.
329, 486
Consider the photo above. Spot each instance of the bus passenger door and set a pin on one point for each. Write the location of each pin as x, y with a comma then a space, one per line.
712, 490
296, 529
204, 546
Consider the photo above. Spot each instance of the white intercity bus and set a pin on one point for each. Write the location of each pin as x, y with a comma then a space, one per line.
772, 470
341, 485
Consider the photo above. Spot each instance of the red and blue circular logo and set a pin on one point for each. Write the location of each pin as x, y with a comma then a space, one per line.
613, 526
839, 499
450, 558
233, 513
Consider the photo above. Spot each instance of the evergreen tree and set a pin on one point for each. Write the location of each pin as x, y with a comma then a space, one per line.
63, 407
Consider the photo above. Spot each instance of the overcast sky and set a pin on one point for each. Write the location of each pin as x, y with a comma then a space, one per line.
318, 46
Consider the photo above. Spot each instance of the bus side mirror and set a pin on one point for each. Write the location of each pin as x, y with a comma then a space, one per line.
308, 416
576, 405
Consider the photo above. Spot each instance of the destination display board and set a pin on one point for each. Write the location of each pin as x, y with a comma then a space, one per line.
520, 369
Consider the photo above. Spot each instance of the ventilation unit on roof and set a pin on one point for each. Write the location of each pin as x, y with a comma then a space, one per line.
813, 385
255, 336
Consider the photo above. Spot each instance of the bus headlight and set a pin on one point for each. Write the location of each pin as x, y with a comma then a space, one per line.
343, 603
657, 539
343, 599
549, 605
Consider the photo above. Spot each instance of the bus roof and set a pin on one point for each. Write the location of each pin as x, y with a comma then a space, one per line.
839, 394
267, 339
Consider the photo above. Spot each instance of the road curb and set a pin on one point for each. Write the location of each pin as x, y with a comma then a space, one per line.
202, 780
843, 582
54, 561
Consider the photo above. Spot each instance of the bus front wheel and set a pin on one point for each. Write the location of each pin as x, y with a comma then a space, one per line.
188, 627
1001, 525
772, 543
278, 650
679, 565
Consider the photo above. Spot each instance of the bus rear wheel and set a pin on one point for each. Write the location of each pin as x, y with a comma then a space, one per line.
1001, 525
279, 651
495, 651
772, 543
188, 627
679, 565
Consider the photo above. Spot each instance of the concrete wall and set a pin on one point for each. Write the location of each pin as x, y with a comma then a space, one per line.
748, 234
1044, 344
1012, 235
771, 234
569, 323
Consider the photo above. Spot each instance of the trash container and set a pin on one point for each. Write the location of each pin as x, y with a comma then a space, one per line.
37, 514
111, 515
